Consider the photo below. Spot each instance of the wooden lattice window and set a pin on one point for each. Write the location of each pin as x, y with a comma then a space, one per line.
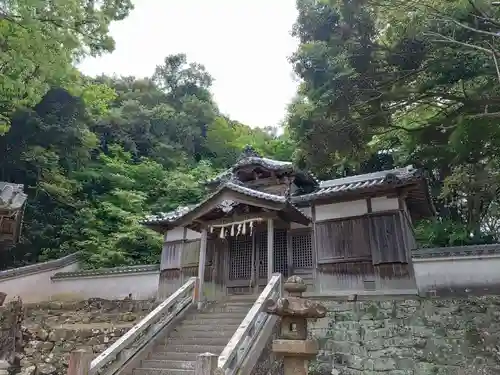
302, 249
280, 263
240, 258
280, 252
261, 242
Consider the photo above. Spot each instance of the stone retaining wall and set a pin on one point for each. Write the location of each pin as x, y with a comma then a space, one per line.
52, 330
413, 336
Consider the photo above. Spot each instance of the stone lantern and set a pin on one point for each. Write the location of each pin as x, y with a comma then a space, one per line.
294, 311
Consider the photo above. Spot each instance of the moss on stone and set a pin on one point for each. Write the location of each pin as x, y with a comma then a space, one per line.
426, 336
372, 310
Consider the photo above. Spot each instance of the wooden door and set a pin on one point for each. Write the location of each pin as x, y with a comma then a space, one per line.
247, 268
240, 263
280, 260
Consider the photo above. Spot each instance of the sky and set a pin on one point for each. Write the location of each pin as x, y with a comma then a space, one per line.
243, 44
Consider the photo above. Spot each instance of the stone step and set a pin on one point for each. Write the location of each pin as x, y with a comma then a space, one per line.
227, 309
173, 356
213, 323
242, 298
209, 327
217, 341
161, 371
236, 303
170, 364
186, 332
217, 315
190, 348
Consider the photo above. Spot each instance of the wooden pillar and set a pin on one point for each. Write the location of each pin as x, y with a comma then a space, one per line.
161, 293
206, 364
289, 252
201, 265
79, 362
314, 244
270, 249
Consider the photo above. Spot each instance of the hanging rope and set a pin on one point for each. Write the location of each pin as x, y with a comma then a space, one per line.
240, 226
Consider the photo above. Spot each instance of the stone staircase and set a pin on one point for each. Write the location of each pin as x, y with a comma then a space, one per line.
203, 331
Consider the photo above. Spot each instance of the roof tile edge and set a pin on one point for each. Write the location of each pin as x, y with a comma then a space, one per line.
147, 268
39, 267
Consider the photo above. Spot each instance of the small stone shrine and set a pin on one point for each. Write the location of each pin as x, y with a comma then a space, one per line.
294, 311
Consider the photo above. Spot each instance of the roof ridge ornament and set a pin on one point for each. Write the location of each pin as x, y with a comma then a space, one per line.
391, 178
249, 152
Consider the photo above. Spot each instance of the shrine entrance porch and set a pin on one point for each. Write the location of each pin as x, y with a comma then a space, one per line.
248, 260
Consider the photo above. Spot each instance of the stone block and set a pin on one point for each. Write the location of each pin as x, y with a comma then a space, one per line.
53, 329
413, 336
295, 347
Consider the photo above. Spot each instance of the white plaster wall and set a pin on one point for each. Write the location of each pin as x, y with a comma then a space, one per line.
177, 234
463, 271
384, 204
141, 285
33, 287
192, 235
341, 209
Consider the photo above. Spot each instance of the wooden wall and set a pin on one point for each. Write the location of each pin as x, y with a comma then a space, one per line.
180, 260
365, 252
369, 252
8, 227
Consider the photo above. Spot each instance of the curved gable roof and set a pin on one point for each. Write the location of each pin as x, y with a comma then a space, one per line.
180, 216
250, 157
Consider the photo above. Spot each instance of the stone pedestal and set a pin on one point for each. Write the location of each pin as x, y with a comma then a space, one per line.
206, 364
4, 367
294, 311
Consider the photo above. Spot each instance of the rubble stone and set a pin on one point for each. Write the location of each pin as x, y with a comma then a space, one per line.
51, 330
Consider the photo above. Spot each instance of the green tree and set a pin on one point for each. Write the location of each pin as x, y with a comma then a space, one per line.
97, 156
377, 77
40, 41
42, 148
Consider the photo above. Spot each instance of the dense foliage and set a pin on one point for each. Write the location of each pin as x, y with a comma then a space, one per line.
384, 84
97, 158
416, 82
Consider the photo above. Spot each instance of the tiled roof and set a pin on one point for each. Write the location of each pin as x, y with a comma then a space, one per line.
255, 193
39, 267
274, 165
265, 162
223, 176
393, 177
456, 251
12, 196
169, 216
181, 211
360, 182
108, 271
251, 157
